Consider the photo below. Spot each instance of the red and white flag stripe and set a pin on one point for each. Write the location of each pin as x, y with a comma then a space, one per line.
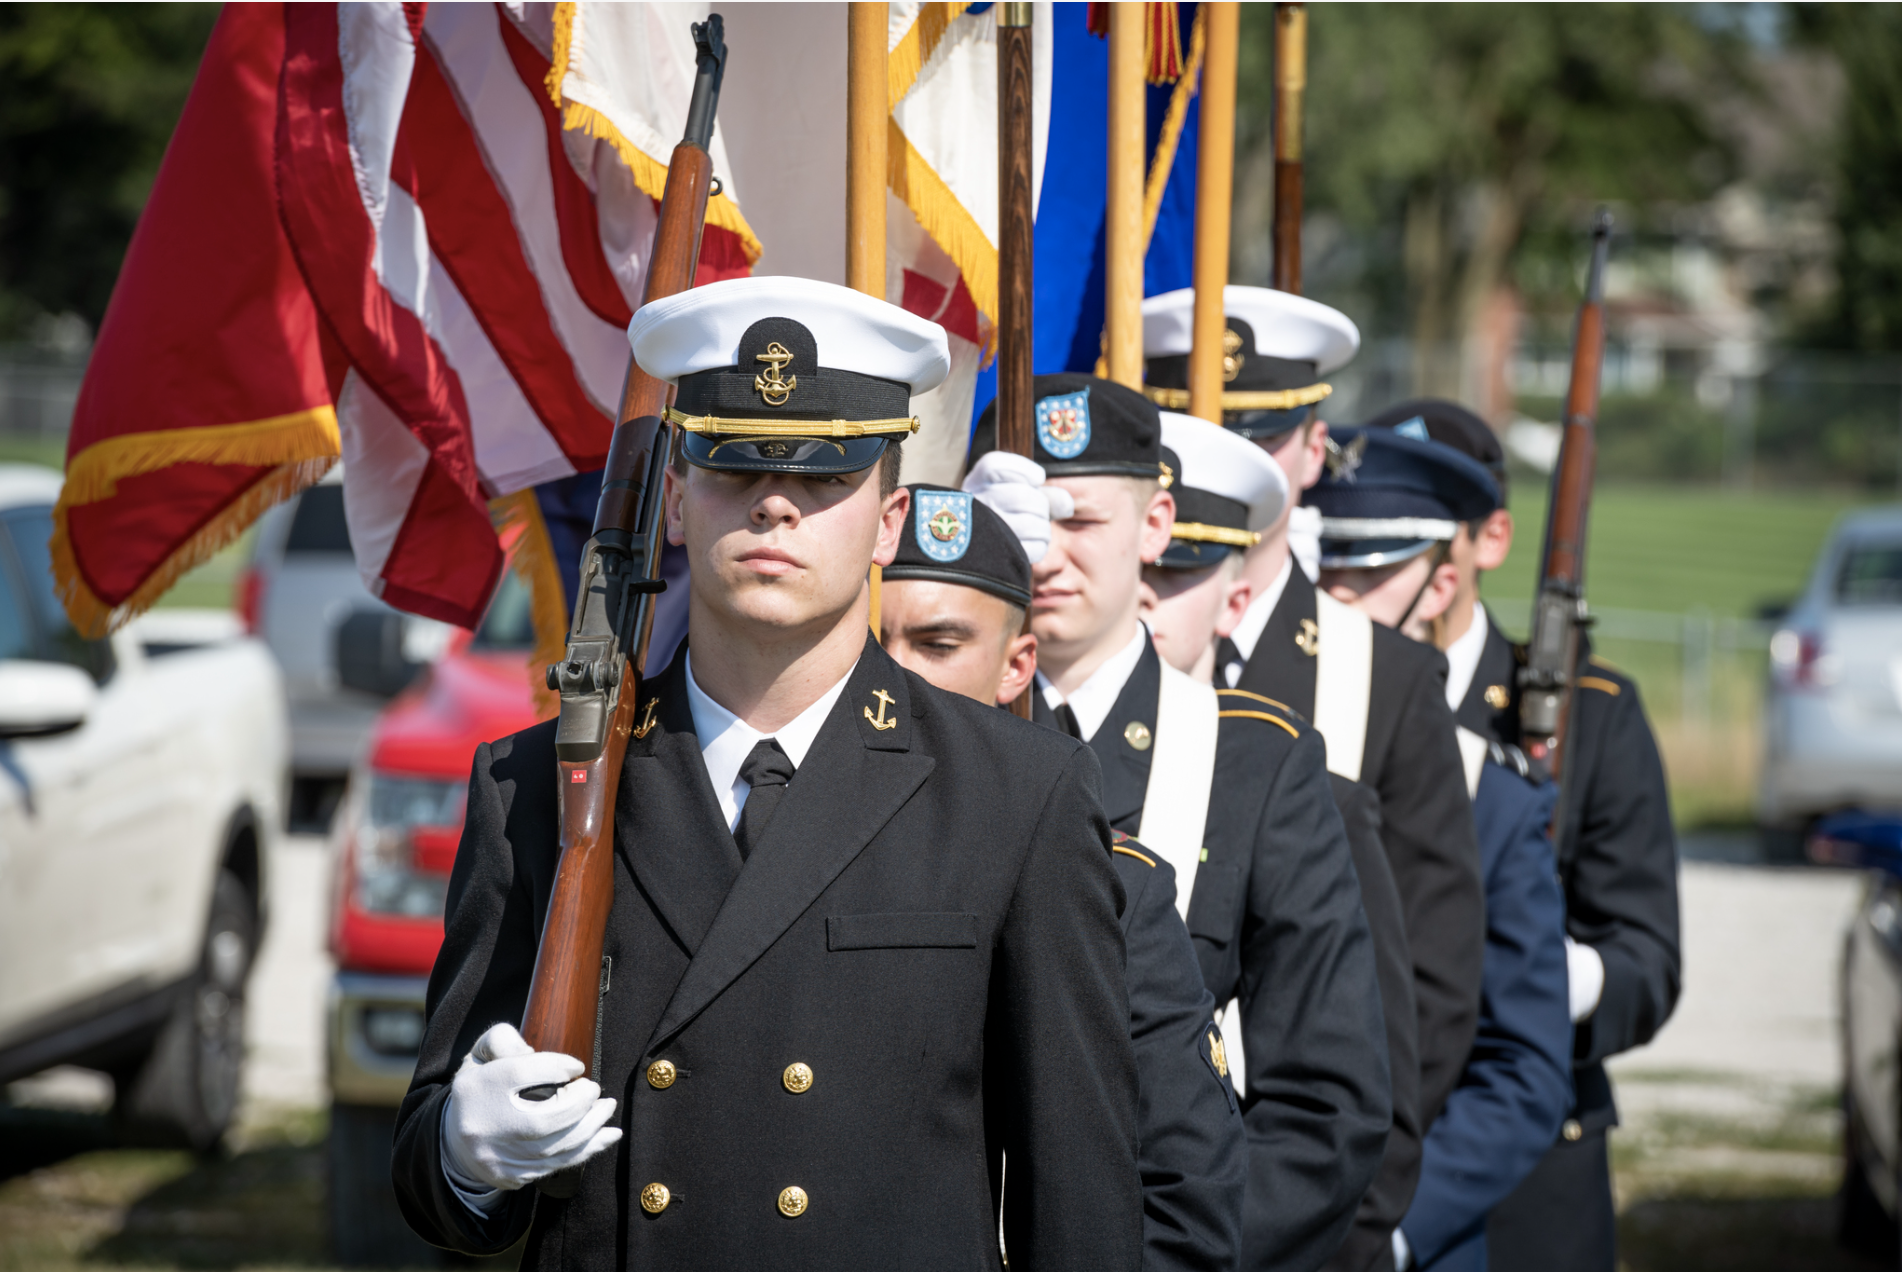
475, 266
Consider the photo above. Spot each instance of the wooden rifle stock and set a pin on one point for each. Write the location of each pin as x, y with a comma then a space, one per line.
599, 680
1558, 609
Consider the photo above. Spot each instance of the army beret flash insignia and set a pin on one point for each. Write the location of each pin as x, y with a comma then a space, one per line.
1063, 424
943, 524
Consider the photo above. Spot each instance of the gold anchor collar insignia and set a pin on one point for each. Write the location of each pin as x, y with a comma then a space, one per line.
774, 384
1218, 1054
1497, 697
1308, 639
879, 721
646, 726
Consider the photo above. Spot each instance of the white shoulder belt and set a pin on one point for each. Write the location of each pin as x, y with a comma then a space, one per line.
1181, 771
1343, 678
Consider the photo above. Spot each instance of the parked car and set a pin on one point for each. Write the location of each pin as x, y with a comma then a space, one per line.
1872, 1027
1834, 718
394, 840
299, 588
140, 799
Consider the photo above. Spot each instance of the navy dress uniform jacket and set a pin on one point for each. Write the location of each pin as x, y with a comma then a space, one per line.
1412, 760
1192, 1151
1275, 914
1517, 1085
1369, 1243
1617, 858
929, 922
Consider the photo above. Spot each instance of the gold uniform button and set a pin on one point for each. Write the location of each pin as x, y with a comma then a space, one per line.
1572, 1130
1137, 734
654, 1198
792, 1202
660, 1076
798, 1080
1497, 697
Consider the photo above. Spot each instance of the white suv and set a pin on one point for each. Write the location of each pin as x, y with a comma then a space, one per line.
140, 791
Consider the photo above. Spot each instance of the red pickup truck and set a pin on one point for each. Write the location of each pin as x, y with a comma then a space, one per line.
394, 841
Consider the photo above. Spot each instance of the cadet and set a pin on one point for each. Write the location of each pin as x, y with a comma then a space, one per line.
1376, 697
1385, 534
1225, 486
953, 611
1237, 802
1617, 861
864, 934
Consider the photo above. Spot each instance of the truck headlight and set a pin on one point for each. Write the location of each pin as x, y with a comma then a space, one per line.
388, 879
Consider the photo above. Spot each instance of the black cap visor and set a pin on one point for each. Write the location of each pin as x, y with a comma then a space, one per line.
1189, 554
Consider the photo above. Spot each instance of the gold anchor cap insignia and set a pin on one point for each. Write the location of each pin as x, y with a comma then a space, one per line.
879, 721
1308, 639
646, 726
1232, 357
774, 384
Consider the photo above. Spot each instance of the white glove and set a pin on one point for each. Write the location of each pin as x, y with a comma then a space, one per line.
494, 1138
1402, 1252
1586, 972
1013, 487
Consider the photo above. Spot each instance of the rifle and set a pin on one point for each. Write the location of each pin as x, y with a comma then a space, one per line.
1559, 613
599, 680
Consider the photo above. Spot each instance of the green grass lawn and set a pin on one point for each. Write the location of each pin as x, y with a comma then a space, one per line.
1678, 548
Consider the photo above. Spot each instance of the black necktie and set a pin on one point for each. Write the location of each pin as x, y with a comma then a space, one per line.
1226, 655
1066, 720
766, 769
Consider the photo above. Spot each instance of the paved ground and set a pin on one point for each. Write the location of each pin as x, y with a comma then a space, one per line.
1728, 1157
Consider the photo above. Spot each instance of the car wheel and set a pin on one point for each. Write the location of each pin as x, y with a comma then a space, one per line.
184, 1092
366, 1227
1862, 1224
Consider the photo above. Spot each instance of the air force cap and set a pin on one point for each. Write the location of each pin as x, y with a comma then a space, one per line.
950, 537
1226, 490
1086, 427
1275, 348
1387, 498
787, 374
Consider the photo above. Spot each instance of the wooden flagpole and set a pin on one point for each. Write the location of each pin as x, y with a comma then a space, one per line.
1123, 230
1214, 188
1015, 233
1291, 82
867, 116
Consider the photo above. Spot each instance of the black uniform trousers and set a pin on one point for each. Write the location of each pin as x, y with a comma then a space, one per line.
1191, 1146
1618, 865
1275, 914
930, 923
1412, 761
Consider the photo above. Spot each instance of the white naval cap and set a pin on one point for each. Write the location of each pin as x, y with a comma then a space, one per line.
1285, 326
701, 329
1219, 463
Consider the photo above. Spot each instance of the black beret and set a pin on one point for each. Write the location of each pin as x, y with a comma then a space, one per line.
1450, 424
950, 537
1386, 497
1086, 427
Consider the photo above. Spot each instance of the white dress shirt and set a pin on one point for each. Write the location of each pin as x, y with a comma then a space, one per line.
1094, 697
1247, 633
1462, 658
726, 740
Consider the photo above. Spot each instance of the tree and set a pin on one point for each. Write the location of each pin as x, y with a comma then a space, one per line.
89, 95
1866, 41
1455, 139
